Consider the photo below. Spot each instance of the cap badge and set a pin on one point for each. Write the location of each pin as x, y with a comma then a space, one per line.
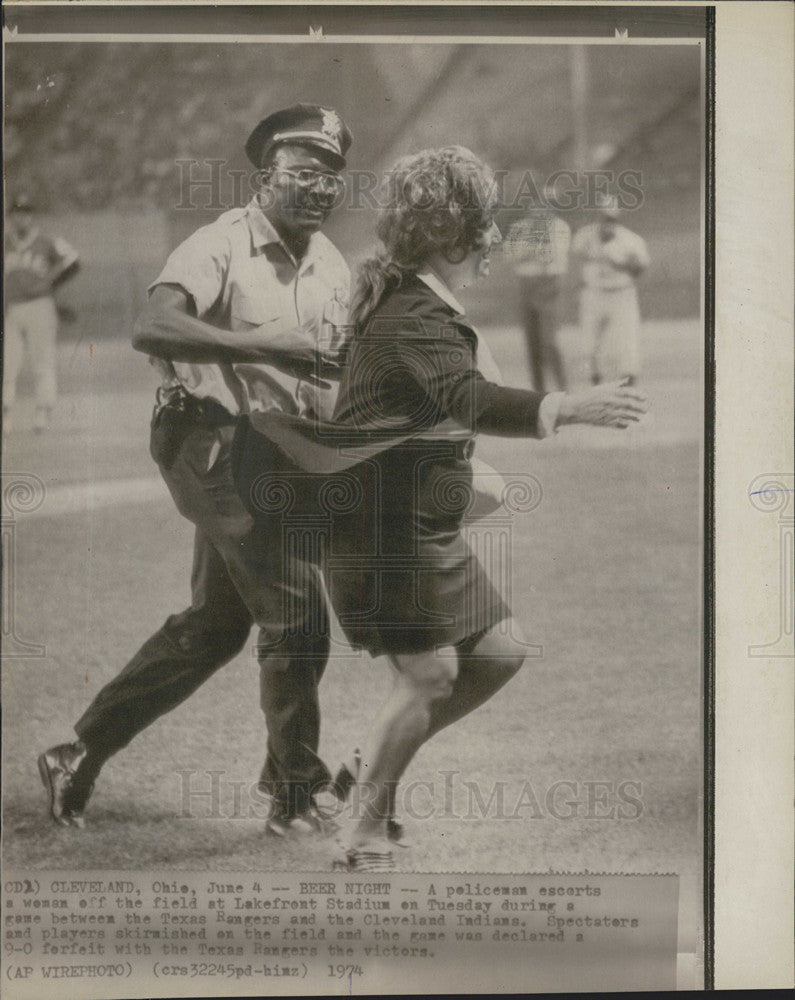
332, 126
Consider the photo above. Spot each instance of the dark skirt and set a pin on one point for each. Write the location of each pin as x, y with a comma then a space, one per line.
400, 574
387, 533
386, 610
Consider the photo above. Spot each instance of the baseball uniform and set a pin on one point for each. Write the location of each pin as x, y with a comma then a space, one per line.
609, 313
31, 320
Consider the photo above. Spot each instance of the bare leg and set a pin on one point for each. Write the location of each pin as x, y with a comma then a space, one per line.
484, 666
399, 730
429, 694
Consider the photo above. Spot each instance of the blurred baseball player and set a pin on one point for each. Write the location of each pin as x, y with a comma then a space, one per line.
538, 248
238, 321
34, 265
611, 257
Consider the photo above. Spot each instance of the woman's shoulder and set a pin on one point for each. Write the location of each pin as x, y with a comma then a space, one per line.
412, 306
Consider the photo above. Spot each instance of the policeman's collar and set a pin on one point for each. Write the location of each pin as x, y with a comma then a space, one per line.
264, 233
262, 229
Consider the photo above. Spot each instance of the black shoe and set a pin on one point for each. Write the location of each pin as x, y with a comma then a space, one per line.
287, 827
292, 826
59, 770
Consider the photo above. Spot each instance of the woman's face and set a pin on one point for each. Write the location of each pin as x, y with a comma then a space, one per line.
478, 261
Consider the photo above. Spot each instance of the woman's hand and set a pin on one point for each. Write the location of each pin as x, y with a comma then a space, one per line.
614, 404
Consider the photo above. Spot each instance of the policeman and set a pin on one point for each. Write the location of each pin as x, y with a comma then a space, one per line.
246, 315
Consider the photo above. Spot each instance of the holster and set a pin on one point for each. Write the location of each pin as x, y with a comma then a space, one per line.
175, 415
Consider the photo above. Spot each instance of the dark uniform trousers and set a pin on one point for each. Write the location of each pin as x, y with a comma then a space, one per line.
239, 578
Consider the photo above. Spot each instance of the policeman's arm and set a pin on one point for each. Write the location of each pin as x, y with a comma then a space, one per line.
168, 328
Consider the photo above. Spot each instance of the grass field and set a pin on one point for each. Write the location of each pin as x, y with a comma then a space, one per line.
606, 577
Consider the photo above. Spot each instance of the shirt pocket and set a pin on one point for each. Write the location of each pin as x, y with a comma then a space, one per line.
250, 311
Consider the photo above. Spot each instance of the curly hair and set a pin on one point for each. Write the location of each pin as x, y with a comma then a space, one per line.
438, 201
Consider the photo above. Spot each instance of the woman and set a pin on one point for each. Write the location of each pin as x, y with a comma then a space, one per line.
402, 579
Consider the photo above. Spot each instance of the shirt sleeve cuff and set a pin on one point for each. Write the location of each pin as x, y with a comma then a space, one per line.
548, 414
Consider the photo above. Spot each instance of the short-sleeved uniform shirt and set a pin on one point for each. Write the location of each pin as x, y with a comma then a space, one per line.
602, 259
242, 277
27, 261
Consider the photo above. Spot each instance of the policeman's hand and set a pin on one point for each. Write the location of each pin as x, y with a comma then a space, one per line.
614, 404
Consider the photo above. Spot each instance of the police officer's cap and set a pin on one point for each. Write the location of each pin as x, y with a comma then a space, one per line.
305, 124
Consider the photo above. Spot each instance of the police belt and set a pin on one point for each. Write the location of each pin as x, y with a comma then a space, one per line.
204, 411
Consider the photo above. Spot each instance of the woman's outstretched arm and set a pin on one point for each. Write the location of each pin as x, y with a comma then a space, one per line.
505, 412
